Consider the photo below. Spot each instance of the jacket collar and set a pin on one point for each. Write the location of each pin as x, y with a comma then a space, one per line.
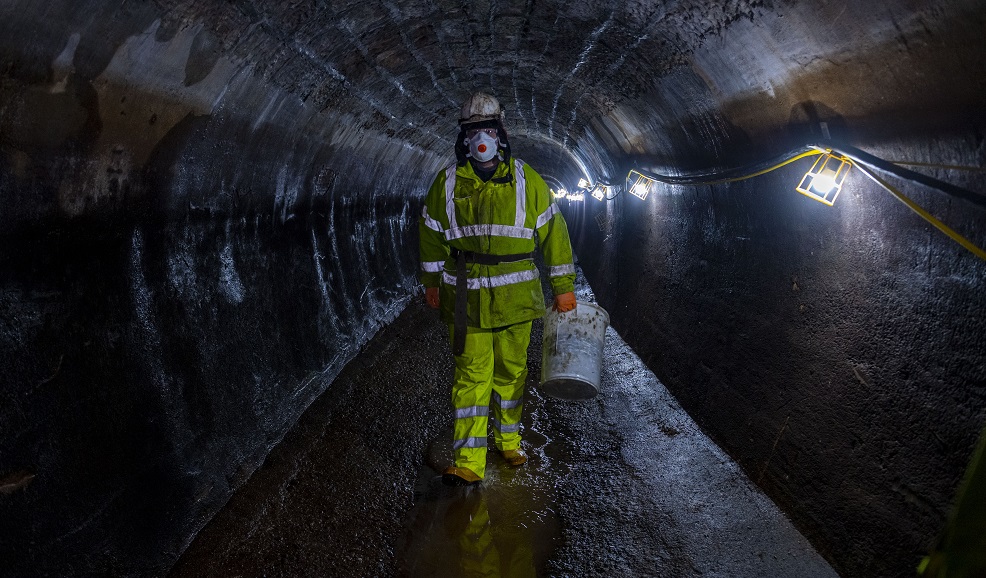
500, 175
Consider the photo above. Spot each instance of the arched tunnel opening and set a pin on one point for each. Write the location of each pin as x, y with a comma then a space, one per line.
218, 360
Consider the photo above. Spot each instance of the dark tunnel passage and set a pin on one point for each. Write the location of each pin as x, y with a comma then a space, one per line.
207, 209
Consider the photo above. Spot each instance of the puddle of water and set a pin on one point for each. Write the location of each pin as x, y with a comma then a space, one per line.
506, 526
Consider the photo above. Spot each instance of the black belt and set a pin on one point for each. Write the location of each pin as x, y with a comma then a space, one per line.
461, 286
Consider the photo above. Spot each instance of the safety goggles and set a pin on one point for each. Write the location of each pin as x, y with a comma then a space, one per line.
474, 131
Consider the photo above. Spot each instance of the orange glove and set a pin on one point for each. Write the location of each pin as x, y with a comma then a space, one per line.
431, 296
564, 302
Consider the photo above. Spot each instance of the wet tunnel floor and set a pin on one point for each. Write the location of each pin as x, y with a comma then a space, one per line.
625, 484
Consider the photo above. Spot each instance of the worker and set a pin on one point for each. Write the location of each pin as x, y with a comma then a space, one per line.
483, 217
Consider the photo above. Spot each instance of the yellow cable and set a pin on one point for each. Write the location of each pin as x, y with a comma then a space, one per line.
924, 214
767, 170
900, 196
744, 177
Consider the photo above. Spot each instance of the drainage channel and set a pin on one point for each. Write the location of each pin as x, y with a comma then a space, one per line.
504, 526
623, 484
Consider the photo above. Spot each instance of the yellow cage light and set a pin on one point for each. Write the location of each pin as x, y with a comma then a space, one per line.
641, 185
823, 182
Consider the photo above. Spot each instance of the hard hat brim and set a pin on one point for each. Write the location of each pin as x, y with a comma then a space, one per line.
480, 118
476, 122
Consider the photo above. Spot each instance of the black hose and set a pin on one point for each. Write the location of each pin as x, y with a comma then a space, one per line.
879, 164
854, 154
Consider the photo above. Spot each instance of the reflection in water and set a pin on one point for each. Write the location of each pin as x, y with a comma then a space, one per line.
503, 527
467, 520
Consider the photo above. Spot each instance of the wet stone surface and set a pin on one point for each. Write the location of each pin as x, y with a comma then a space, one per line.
329, 499
624, 484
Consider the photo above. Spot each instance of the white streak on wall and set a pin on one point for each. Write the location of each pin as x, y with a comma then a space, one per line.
230, 284
63, 65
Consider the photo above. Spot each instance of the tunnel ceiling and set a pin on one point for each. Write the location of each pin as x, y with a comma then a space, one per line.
678, 82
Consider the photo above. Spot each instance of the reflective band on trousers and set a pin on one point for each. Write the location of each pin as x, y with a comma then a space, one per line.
469, 443
495, 281
432, 266
559, 270
472, 411
506, 403
506, 428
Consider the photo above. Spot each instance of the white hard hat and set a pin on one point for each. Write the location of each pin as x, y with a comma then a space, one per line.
480, 107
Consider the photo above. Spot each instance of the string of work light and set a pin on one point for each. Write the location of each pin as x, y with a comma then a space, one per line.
823, 181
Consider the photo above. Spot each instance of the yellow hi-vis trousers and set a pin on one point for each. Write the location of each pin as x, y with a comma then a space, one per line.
493, 367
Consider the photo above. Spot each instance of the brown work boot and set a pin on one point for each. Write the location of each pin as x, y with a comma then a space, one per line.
453, 476
514, 458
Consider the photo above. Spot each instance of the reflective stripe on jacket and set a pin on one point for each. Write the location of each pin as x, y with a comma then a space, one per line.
511, 213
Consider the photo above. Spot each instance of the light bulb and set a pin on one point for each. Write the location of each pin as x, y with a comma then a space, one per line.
824, 182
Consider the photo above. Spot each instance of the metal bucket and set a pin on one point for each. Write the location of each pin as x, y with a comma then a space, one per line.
572, 351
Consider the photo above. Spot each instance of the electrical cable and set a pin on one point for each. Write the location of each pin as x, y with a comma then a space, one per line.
866, 162
719, 177
925, 214
854, 154
858, 156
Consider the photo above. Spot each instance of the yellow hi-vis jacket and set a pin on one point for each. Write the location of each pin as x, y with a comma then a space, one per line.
506, 215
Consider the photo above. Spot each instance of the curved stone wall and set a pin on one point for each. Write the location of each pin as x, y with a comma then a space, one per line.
207, 207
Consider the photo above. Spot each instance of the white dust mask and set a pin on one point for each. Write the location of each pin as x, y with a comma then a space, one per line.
482, 146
